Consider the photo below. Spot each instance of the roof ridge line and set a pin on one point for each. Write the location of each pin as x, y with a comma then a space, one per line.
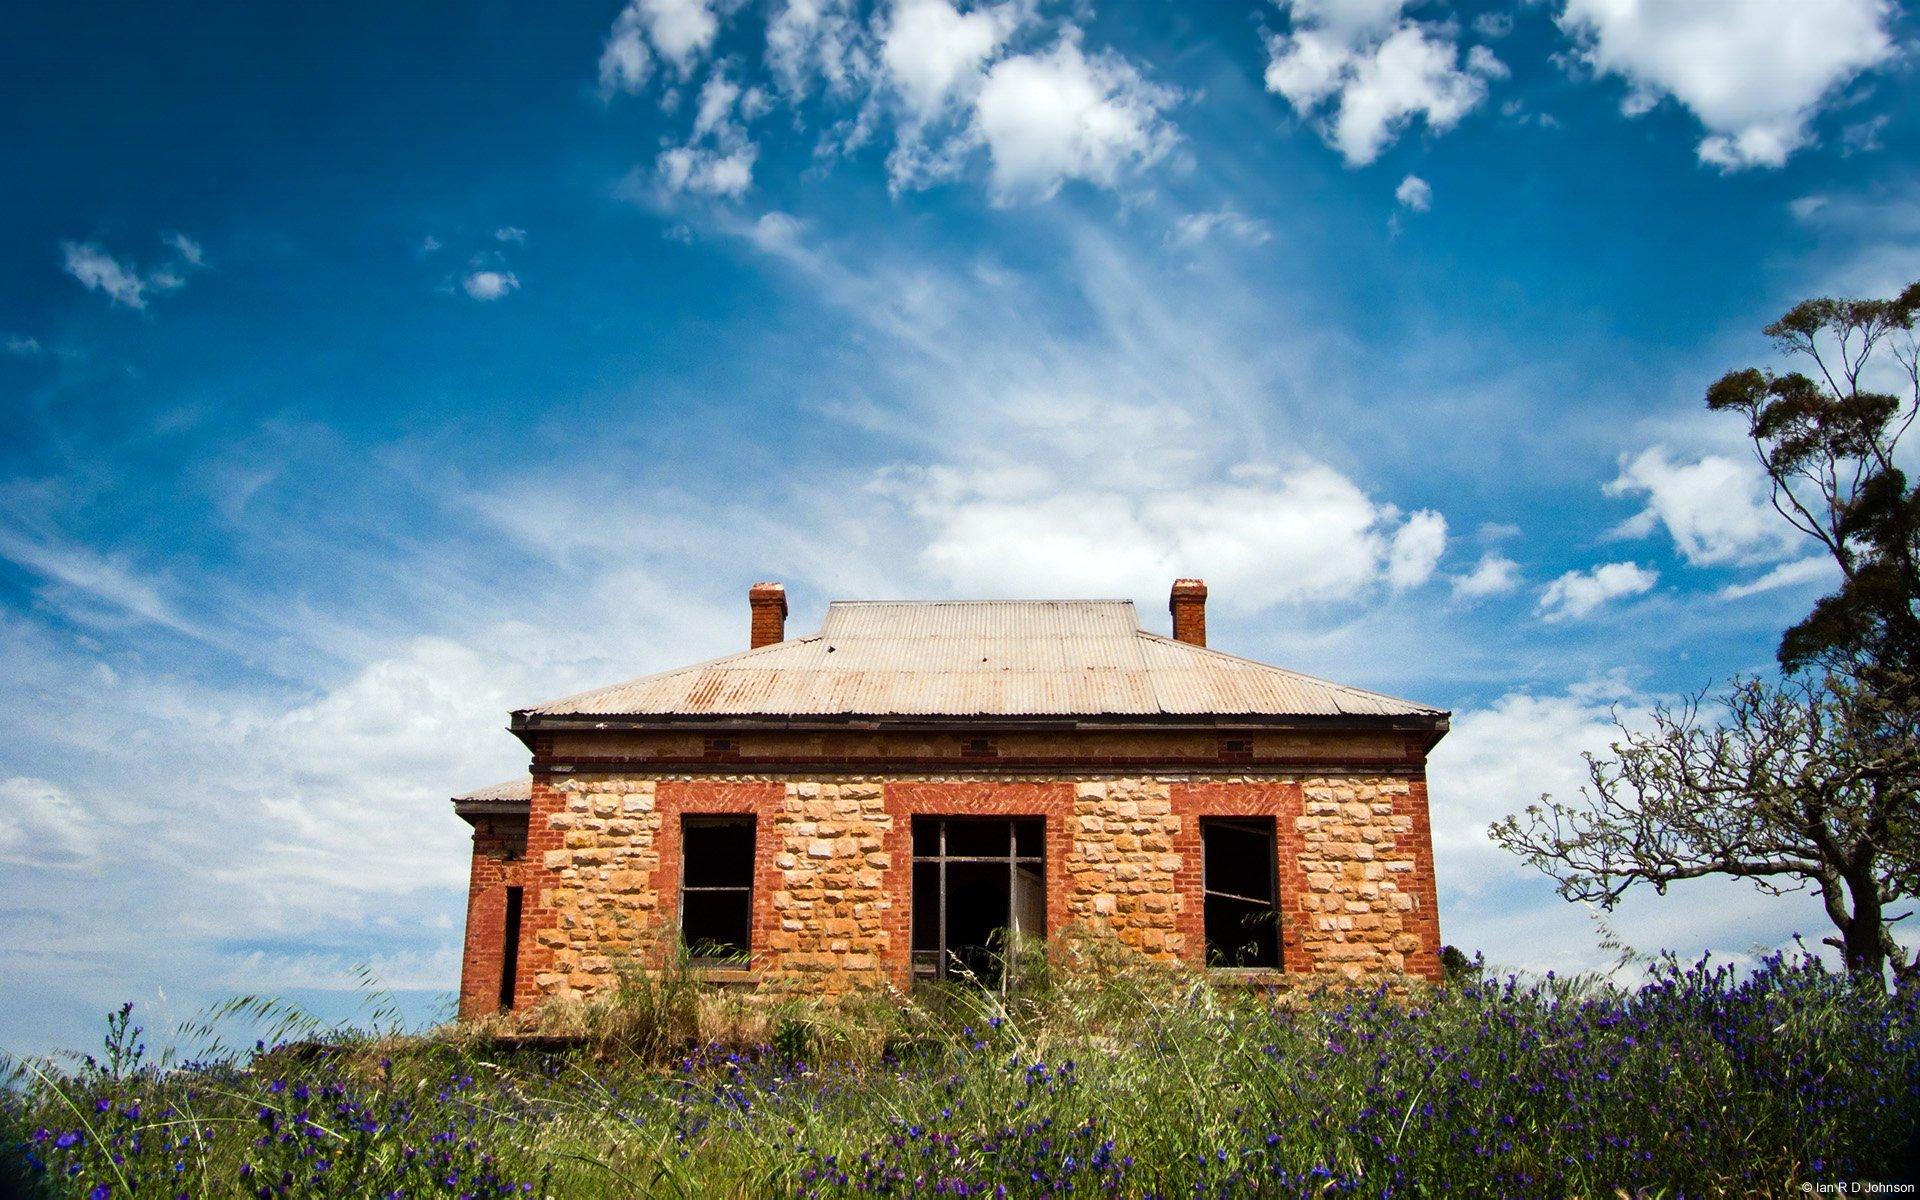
934, 603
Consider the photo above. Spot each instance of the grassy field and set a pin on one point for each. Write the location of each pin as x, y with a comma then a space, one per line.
1092, 1078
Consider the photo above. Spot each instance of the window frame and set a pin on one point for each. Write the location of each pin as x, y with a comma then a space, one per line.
1269, 828
751, 824
940, 859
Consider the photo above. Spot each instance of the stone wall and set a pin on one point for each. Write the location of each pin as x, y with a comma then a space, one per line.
832, 898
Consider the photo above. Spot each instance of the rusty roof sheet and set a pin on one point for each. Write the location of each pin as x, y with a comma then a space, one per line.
1030, 658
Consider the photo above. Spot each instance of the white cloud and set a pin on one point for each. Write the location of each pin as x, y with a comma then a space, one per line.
1499, 759
680, 31
490, 285
1494, 575
41, 824
1194, 228
776, 232
429, 244
21, 346
939, 75
101, 272
510, 233
823, 38
1047, 118
625, 62
1416, 549
1578, 594
932, 51
1362, 72
1715, 508
718, 159
717, 98
1265, 537
708, 172
1816, 569
1414, 193
1755, 73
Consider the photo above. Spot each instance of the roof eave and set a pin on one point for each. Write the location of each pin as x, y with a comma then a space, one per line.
525, 724
470, 810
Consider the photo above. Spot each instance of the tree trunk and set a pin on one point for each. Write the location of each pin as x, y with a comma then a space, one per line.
1864, 946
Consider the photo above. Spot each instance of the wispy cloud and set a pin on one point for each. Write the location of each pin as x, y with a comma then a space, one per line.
1193, 228
1814, 569
99, 271
101, 580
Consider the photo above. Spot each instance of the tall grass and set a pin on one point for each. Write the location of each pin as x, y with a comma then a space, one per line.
1087, 1075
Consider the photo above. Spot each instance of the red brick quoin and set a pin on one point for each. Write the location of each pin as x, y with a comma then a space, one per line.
1052, 801
1280, 800
676, 798
499, 860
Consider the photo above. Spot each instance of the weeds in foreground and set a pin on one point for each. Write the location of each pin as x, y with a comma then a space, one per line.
1086, 1076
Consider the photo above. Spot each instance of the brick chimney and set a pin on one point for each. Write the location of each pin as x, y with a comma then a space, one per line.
1188, 604
769, 604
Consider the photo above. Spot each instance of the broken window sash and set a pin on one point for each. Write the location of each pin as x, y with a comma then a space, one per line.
716, 887
975, 881
1239, 888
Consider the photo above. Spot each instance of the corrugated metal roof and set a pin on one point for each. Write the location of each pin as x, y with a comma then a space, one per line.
511, 790
980, 658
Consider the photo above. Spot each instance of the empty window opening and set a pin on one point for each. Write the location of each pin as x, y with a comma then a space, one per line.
975, 881
510, 950
1239, 886
716, 887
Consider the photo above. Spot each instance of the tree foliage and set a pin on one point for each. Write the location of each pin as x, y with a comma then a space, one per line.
1828, 441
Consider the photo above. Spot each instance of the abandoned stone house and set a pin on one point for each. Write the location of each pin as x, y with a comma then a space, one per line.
883, 800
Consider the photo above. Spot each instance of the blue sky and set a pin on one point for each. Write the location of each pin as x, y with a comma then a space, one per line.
369, 373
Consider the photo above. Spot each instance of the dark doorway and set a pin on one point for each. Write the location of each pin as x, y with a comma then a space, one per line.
975, 879
716, 887
510, 950
1239, 885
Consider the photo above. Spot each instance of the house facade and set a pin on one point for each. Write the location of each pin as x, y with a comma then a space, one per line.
884, 800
